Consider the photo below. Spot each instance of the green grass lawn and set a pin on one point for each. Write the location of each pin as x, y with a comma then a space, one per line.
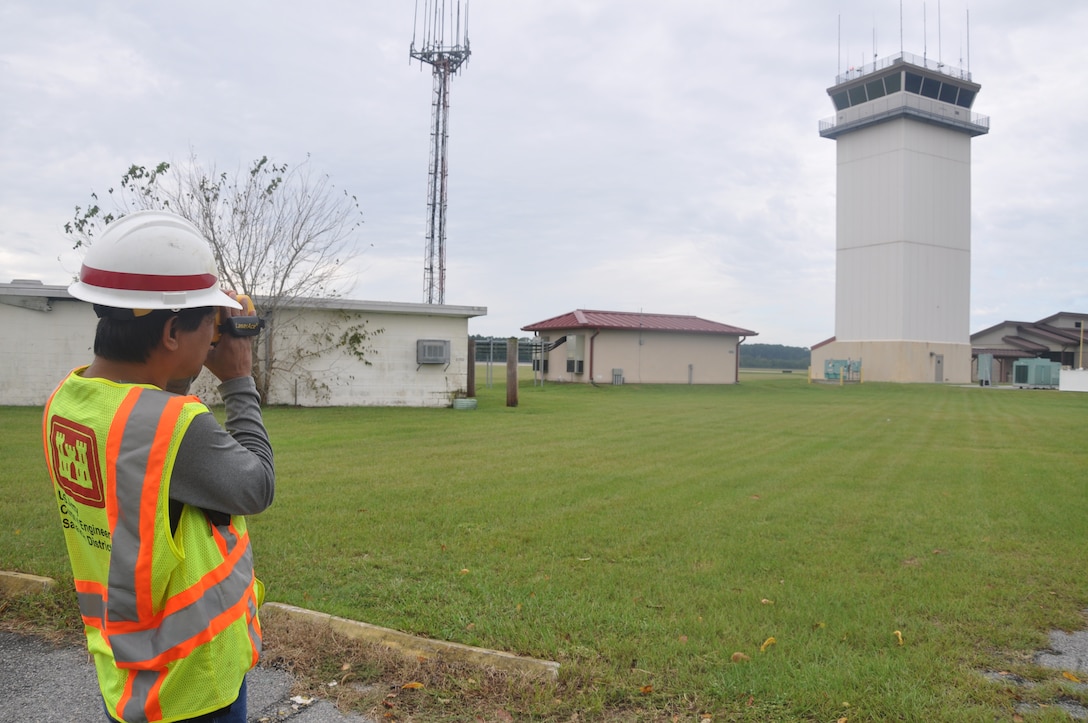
642, 535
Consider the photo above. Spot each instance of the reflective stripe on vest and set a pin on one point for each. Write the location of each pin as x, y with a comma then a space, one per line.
92, 603
139, 637
140, 701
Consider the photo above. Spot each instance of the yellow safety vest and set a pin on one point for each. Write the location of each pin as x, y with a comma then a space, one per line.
170, 618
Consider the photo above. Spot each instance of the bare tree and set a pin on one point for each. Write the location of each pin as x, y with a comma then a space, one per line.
280, 234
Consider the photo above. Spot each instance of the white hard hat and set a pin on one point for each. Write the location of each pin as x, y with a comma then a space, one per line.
150, 260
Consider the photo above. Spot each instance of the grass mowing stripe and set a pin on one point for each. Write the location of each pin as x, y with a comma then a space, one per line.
643, 534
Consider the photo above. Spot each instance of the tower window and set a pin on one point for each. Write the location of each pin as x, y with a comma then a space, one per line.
948, 92
875, 88
857, 95
931, 88
893, 83
967, 97
914, 83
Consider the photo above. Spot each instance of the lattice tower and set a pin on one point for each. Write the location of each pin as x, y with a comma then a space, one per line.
442, 32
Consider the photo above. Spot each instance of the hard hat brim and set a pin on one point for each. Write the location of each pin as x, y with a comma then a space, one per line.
125, 299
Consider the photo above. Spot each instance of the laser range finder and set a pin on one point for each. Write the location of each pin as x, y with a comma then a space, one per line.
248, 325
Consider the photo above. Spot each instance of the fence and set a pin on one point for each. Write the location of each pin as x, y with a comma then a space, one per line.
492, 350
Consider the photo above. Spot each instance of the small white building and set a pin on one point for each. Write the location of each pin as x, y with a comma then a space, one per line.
417, 353
614, 347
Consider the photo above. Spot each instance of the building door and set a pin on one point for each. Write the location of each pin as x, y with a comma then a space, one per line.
938, 368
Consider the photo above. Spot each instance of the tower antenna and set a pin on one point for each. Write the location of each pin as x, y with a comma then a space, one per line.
940, 54
838, 59
900, 27
441, 18
968, 42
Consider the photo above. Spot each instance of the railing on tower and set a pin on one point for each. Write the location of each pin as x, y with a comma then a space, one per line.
921, 61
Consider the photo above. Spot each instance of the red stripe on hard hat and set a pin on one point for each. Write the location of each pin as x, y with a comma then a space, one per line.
123, 281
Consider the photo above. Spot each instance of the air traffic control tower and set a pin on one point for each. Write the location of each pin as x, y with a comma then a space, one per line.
903, 128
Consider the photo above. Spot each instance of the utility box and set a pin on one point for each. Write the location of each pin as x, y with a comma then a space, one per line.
842, 369
617, 376
985, 369
1036, 373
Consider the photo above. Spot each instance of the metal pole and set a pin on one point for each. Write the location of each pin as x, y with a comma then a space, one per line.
490, 361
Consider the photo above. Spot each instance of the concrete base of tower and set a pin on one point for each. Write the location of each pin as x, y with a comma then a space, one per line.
894, 361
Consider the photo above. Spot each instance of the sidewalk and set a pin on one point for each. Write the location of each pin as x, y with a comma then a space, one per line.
44, 682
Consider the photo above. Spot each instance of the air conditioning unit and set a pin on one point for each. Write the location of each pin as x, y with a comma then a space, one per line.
432, 351
1036, 373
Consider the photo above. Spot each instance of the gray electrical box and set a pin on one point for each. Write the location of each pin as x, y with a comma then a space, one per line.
985, 369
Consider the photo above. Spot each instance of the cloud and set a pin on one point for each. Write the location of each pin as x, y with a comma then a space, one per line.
617, 155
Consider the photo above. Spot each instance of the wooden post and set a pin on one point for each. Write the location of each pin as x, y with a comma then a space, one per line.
512, 372
470, 383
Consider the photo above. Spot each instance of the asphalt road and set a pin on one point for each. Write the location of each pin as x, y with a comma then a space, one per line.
45, 682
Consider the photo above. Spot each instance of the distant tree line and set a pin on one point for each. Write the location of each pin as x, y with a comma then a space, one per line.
774, 356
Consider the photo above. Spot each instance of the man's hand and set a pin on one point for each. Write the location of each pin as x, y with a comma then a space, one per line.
232, 356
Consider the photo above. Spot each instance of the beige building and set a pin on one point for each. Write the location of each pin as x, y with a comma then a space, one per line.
615, 347
1058, 338
416, 356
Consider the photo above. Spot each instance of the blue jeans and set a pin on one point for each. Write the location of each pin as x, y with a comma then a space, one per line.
233, 713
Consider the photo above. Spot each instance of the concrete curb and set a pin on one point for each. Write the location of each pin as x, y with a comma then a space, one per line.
14, 584
412, 646
20, 583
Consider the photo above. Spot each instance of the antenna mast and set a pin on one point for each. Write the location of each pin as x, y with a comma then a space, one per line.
900, 27
940, 55
443, 46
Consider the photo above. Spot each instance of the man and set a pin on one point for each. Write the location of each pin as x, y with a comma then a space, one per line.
151, 490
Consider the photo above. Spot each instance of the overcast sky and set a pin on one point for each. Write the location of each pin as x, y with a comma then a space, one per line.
619, 155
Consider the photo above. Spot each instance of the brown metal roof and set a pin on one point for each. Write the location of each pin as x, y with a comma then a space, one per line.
1004, 353
1054, 333
1043, 329
584, 318
1022, 343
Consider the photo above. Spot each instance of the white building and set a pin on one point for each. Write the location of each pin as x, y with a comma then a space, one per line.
418, 353
614, 347
903, 128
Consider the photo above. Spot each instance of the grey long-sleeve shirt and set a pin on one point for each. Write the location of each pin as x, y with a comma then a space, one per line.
230, 470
